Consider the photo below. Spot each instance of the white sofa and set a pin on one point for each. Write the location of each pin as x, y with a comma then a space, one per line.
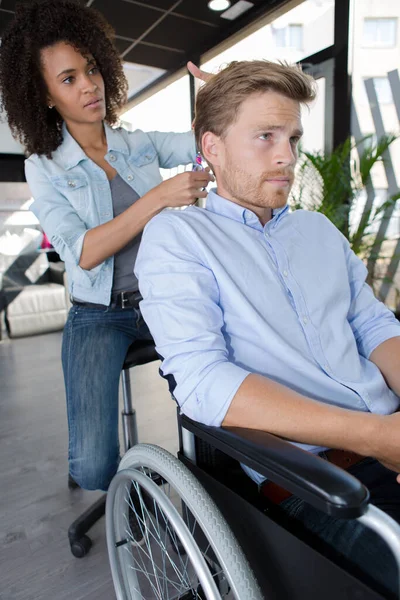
37, 309
36, 296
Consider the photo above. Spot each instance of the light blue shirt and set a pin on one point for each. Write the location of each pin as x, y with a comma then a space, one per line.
72, 194
224, 297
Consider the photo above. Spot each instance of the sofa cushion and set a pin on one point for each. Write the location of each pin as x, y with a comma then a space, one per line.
37, 309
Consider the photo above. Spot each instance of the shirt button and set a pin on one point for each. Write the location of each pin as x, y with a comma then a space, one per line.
71, 183
112, 157
305, 320
285, 273
130, 177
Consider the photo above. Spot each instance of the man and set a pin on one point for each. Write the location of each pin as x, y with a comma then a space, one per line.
263, 316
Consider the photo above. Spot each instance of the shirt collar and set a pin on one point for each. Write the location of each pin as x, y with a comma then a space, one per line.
221, 206
71, 153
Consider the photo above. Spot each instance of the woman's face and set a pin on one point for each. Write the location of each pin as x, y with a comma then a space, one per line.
74, 84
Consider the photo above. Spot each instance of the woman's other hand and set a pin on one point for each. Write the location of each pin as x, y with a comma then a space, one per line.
198, 73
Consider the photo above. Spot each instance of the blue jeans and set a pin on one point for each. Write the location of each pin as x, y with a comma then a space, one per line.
95, 343
351, 539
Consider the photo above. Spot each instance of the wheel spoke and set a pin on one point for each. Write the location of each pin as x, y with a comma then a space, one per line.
154, 502
152, 533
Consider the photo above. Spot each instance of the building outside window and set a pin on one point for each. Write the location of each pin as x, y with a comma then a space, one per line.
383, 90
290, 36
380, 32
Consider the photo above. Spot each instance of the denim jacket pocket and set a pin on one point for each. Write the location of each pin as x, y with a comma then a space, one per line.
143, 156
75, 189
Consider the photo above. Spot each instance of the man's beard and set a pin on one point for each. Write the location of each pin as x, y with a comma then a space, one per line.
252, 190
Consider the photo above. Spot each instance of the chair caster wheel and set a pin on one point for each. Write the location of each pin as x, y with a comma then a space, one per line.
81, 547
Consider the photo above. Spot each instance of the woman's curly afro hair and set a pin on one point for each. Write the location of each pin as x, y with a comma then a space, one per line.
37, 25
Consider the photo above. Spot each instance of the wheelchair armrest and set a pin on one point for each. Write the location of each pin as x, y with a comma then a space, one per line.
309, 477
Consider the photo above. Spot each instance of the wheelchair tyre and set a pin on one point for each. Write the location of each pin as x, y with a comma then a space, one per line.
177, 512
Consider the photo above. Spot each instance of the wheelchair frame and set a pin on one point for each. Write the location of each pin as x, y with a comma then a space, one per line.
298, 569
294, 565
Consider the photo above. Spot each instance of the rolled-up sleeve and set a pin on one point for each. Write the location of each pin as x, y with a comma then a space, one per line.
173, 149
180, 306
59, 220
371, 321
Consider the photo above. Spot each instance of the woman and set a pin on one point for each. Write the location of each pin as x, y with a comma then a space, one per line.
94, 190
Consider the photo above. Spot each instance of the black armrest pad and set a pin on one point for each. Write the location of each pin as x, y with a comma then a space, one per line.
318, 482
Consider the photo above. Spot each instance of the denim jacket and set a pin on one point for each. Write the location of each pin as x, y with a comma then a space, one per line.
72, 194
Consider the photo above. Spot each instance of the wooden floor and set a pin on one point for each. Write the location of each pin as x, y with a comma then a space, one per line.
36, 507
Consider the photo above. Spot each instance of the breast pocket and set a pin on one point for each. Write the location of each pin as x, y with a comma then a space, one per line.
143, 156
76, 190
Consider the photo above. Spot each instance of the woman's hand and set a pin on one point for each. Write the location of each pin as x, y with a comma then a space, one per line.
198, 73
183, 189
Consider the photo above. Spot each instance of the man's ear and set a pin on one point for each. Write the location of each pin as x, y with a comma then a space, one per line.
211, 148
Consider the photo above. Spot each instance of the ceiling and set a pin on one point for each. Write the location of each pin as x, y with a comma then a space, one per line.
157, 37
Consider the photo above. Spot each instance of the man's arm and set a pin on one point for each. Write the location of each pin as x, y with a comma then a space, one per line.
387, 358
261, 403
181, 307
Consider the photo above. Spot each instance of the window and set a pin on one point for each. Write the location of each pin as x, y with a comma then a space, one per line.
290, 36
380, 33
383, 90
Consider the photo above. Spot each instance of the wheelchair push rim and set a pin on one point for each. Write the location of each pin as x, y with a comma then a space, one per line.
186, 550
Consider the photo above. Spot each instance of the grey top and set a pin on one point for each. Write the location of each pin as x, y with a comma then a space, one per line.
123, 196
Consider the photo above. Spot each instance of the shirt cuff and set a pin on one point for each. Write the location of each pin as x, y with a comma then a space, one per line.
213, 396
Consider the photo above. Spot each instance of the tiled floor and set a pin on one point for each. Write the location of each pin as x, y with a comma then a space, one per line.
36, 506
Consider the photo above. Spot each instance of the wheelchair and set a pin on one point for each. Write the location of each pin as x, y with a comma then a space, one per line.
203, 531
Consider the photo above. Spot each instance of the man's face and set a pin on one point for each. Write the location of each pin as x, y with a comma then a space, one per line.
257, 156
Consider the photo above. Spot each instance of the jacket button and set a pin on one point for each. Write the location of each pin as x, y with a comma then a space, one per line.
71, 183
130, 177
112, 157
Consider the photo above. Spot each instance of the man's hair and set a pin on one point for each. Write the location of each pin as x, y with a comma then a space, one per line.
219, 100
39, 24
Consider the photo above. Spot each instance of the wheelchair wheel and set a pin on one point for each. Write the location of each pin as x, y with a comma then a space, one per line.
186, 550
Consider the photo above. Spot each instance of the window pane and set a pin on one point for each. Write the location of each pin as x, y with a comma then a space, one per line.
374, 51
280, 37
387, 32
298, 33
296, 36
383, 90
168, 110
370, 31
380, 32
